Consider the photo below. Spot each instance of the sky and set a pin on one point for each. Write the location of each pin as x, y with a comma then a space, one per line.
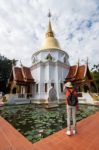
75, 23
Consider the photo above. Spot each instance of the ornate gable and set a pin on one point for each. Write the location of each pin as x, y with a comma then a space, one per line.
72, 72
21, 74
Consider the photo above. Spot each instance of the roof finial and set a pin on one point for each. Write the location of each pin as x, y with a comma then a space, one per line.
49, 31
21, 63
87, 62
49, 14
78, 61
14, 62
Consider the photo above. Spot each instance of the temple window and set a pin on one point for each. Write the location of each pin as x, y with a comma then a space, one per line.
49, 57
61, 87
45, 87
65, 59
36, 88
52, 84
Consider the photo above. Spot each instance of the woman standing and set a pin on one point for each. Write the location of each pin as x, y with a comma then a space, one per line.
71, 106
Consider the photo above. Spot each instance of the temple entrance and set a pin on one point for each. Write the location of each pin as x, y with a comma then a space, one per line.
14, 90
86, 88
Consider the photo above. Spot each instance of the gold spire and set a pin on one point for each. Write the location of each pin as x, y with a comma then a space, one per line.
49, 31
50, 42
49, 14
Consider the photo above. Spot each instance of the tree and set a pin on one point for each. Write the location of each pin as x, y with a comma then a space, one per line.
5, 70
95, 74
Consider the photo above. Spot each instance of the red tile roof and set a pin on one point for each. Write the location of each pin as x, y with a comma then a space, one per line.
81, 72
22, 74
72, 71
27, 73
18, 74
77, 72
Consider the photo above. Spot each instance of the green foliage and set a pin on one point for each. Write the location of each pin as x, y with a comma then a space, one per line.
5, 70
36, 123
95, 74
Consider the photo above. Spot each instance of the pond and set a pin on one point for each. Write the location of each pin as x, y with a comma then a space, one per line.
35, 122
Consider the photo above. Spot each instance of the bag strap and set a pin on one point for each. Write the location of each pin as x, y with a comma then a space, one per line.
71, 92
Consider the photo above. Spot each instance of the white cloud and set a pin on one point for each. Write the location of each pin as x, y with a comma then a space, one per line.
75, 23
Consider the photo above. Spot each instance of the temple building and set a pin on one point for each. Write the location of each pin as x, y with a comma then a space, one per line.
21, 80
81, 77
50, 67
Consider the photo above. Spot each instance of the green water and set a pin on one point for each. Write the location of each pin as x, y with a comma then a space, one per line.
35, 122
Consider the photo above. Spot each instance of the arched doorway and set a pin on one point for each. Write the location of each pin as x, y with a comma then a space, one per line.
86, 88
14, 90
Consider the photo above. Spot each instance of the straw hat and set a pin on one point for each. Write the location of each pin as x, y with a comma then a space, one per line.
69, 85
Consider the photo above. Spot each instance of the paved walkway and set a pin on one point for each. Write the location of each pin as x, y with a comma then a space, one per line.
11, 139
86, 139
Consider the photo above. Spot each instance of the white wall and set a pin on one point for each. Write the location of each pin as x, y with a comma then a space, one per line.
45, 71
58, 55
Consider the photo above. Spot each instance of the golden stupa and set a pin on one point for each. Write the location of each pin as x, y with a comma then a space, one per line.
50, 42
